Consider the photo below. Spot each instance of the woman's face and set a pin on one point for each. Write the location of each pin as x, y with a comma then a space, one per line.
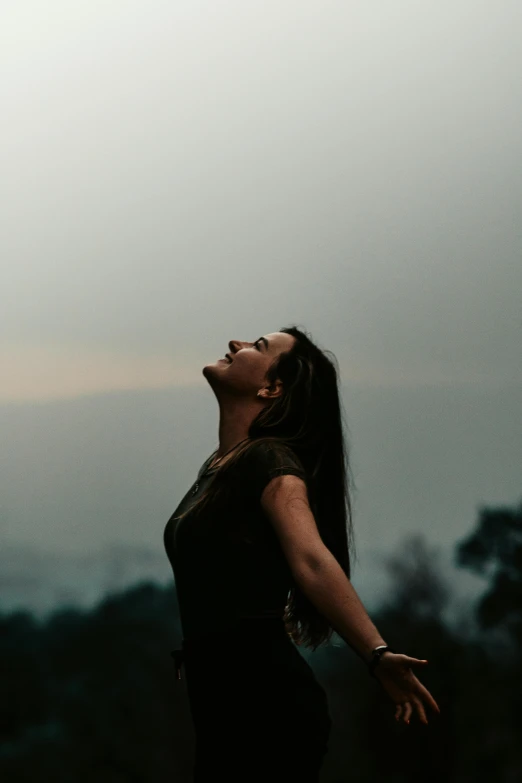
244, 369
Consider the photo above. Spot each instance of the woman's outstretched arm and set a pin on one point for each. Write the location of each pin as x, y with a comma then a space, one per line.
315, 569
321, 578
332, 593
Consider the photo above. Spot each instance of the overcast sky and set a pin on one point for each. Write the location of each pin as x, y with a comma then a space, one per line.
176, 175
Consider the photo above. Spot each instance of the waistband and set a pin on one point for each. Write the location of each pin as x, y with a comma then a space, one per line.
263, 627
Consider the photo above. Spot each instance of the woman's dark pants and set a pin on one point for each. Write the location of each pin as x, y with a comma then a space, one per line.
259, 713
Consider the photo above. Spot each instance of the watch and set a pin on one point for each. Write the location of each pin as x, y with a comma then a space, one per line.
376, 656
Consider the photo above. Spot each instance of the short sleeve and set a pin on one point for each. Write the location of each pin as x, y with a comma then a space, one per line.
267, 460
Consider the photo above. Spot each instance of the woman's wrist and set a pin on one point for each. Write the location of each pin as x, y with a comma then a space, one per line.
377, 654
369, 654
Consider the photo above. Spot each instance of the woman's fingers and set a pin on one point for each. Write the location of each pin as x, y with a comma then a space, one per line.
424, 691
426, 695
406, 707
419, 706
420, 709
407, 660
414, 693
408, 710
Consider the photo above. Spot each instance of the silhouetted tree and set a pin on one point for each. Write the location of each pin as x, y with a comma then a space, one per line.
418, 588
494, 549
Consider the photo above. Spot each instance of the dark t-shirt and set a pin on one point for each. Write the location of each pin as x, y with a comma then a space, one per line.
227, 561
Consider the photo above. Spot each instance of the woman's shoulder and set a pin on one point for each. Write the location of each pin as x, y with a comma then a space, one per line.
264, 460
272, 458
270, 448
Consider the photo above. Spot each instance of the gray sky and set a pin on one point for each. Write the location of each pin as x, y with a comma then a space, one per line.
175, 175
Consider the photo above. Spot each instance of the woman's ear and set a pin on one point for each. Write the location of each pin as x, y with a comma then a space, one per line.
269, 393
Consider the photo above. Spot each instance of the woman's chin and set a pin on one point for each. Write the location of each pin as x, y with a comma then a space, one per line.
217, 363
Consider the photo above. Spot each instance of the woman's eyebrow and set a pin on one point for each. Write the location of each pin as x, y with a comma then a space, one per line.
264, 340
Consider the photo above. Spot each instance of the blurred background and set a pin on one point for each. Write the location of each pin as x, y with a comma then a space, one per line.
177, 175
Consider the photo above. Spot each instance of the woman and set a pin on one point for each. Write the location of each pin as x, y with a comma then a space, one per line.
260, 548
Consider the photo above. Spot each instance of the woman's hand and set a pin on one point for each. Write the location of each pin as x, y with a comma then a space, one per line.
396, 677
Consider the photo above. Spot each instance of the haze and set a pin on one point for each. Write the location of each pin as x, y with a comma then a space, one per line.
178, 175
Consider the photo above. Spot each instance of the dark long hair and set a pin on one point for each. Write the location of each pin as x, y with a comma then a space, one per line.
307, 417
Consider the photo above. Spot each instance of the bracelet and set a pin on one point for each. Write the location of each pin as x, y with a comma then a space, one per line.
376, 656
